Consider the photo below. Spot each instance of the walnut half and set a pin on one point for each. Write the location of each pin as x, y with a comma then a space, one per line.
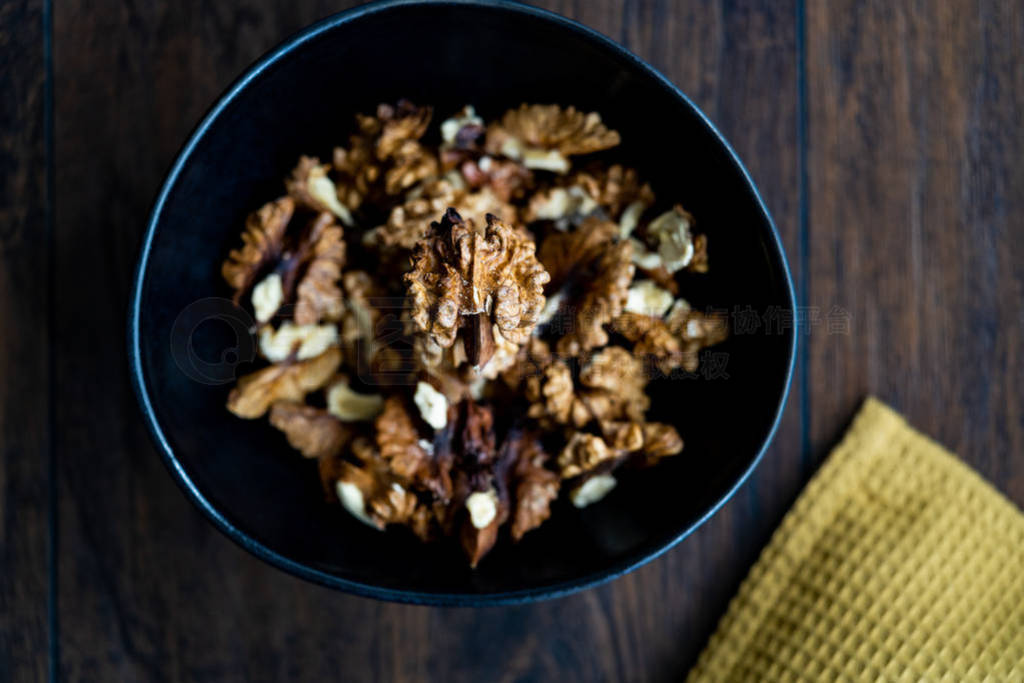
544, 136
595, 269
255, 393
675, 341
312, 431
465, 279
534, 486
261, 244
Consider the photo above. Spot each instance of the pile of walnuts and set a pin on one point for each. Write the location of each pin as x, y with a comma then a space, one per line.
460, 322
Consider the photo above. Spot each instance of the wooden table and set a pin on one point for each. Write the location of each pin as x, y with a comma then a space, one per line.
886, 137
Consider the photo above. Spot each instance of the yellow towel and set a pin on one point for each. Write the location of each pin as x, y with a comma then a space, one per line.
897, 563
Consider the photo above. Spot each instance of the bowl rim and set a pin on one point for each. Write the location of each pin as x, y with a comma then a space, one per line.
648, 551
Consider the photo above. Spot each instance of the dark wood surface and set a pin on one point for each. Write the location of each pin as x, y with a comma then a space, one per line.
25, 399
886, 139
25, 372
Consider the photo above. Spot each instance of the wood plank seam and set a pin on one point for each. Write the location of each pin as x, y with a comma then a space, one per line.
803, 238
53, 634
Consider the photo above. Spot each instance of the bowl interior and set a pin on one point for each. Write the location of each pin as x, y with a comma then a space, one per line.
494, 58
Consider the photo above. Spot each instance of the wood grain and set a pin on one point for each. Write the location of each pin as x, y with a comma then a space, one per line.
24, 370
916, 205
737, 61
914, 243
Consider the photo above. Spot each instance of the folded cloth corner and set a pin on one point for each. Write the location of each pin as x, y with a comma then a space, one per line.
896, 563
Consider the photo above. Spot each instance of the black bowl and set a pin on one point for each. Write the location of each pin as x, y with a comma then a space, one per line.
300, 99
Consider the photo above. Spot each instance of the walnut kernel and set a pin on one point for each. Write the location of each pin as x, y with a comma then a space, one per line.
433, 405
352, 406
675, 241
592, 490
302, 341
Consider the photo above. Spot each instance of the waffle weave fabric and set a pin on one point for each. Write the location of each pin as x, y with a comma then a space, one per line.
897, 563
